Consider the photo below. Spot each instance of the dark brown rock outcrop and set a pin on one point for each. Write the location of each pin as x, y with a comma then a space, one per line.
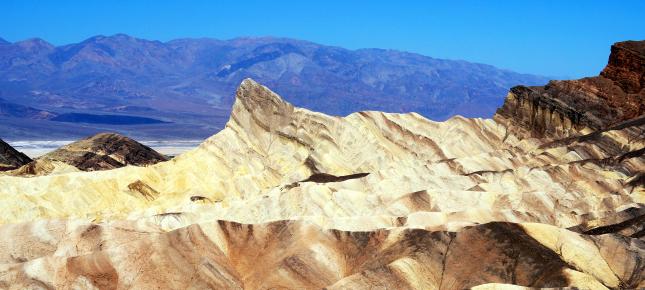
564, 108
99, 152
11, 158
106, 151
627, 66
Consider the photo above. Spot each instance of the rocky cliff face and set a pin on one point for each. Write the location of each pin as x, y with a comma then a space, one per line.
288, 198
11, 158
99, 152
627, 66
564, 108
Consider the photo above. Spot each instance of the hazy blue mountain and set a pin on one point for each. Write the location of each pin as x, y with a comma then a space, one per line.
190, 83
3, 41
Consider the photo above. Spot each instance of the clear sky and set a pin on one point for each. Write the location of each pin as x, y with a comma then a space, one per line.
553, 38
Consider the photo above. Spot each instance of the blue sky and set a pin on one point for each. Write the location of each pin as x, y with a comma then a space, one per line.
554, 38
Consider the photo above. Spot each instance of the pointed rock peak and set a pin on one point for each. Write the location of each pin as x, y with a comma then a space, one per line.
263, 105
256, 97
3, 41
253, 93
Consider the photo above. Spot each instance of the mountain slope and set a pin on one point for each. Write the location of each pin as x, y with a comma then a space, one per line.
8, 109
284, 197
562, 108
191, 82
99, 152
262, 167
11, 158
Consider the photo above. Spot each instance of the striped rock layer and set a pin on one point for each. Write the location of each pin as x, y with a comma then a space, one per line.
102, 151
288, 198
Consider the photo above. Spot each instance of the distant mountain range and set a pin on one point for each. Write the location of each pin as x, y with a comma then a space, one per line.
184, 88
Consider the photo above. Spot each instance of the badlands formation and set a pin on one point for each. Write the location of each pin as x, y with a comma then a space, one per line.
99, 152
549, 193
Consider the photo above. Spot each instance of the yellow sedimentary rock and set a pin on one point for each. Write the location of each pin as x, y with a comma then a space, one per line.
286, 197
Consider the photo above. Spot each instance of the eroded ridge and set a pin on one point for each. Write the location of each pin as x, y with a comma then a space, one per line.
284, 197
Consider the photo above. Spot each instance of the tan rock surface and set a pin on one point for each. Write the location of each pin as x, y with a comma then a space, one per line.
288, 198
299, 255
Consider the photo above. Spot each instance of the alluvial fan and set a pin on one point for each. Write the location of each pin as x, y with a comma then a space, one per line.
549, 193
